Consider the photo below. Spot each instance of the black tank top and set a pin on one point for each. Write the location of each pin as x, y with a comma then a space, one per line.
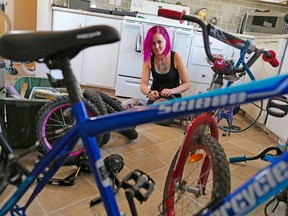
168, 80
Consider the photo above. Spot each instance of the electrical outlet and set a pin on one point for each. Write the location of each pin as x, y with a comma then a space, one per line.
118, 2
111, 2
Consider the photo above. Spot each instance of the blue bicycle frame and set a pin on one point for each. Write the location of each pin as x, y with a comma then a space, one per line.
86, 129
256, 191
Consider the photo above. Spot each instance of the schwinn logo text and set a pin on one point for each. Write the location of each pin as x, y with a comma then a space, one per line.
89, 35
247, 197
203, 103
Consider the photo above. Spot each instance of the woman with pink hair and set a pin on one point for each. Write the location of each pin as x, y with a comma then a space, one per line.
168, 69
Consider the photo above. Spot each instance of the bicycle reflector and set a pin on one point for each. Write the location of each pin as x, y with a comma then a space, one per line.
195, 157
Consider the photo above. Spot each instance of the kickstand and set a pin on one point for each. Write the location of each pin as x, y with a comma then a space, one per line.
116, 185
114, 164
82, 165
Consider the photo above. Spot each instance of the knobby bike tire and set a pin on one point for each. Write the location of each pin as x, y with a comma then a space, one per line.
56, 115
278, 205
113, 105
93, 96
166, 122
130, 133
4, 151
113, 102
3, 127
214, 176
3, 163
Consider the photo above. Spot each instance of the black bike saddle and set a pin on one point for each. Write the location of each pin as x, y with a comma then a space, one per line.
32, 46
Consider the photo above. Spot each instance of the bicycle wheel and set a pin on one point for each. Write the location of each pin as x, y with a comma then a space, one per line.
166, 122
3, 128
130, 133
4, 151
93, 96
278, 205
113, 105
112, 102
56, 116
3, 162
195, 176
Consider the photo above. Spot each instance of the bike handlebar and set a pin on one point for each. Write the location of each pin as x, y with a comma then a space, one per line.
223, 36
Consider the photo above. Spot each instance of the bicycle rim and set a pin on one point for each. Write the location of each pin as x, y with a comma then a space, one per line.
58, 120
193, 176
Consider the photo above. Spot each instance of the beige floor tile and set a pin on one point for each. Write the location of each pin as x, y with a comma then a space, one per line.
142, 160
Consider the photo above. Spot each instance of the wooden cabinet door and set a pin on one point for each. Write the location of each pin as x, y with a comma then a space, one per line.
23, 13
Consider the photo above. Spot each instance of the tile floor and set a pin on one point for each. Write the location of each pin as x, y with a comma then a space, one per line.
151, 152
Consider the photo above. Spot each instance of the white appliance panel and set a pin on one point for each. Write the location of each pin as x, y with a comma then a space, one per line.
129, 86
150, 9
129, 60
134, 30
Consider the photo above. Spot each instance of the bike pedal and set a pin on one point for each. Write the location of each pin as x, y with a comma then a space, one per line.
141, 183
114, 164
85, 166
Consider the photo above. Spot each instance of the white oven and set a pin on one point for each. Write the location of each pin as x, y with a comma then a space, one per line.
133, 32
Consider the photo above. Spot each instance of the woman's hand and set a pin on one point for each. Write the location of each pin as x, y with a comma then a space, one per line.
166, 92
153, 95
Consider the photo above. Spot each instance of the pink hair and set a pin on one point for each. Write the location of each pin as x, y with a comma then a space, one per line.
148, 42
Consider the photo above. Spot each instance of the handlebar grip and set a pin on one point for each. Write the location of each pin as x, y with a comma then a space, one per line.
271, 59
237, 159
171, 14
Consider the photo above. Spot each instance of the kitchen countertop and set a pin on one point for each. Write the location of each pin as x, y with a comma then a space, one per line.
261, 36
90, 13
251, 36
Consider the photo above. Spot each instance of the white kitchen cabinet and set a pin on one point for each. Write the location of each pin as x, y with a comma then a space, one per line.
261, 70
66, 21
100, 62
199, 67
279, 125
182, 40
94, 66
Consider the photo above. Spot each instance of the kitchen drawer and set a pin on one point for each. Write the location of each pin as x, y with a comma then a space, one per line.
129, 87
196, 88
200, 74
198, 56
214, 43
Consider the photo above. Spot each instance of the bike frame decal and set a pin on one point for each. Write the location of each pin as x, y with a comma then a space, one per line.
256, 191
105, 180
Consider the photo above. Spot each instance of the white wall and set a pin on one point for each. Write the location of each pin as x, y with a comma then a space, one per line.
44, 15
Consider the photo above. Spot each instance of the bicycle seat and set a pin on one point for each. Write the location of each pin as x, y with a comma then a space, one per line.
33, 45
